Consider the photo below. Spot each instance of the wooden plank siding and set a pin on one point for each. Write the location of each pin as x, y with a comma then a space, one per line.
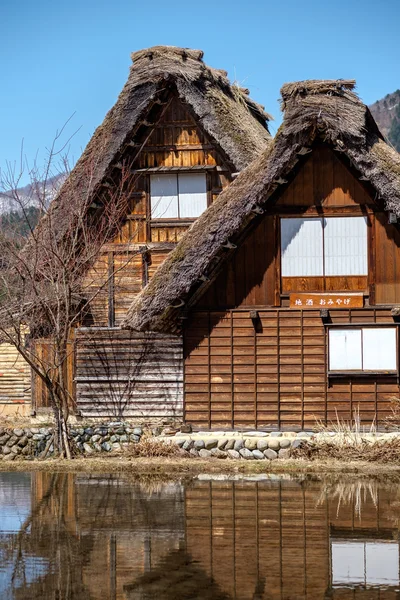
15, 381
275, 376
273, 373
44, 350
176, 141
124, 373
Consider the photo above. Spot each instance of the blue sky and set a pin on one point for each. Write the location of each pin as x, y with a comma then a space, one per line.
72, 58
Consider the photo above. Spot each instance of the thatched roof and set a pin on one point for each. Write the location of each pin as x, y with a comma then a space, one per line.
237, 124
327, 110
227, 114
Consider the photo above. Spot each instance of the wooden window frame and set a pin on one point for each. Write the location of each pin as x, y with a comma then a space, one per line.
324, 257
178, 221
362, 373
316, 212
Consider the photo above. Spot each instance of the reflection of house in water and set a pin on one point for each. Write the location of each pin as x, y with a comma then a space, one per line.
134, 526
294, 541
219, 540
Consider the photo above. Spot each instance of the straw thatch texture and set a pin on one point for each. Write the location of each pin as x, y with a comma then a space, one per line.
235, 122
328, 110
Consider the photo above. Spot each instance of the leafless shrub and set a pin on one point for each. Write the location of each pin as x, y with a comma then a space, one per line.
44, 288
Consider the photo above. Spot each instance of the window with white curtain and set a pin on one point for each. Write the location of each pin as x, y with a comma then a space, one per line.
330, 246
363, 349
178, 195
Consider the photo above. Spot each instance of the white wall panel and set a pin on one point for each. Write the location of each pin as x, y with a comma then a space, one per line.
192, 194
379, 349
345, 246
164, 196
301, 247
345, 350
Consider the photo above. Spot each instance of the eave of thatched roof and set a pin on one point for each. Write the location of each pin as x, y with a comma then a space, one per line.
326, 110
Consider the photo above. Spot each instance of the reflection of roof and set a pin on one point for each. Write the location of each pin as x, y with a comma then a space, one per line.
177, 577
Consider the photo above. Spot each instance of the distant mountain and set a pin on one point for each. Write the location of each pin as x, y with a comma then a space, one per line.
19, 216
386, 113
31, 194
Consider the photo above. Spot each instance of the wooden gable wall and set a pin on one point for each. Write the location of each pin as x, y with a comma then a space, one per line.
128, 263
273, 372
322, 186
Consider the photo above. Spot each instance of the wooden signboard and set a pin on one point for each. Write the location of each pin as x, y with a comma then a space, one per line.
326, 300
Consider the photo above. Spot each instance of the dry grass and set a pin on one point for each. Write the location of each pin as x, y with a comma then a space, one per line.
351, 442
387, 451
177, 467
149, 447
392, 422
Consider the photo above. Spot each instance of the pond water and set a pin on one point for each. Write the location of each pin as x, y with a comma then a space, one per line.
84, 537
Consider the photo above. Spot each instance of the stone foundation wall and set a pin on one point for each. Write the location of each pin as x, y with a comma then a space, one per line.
250, 446
37, 442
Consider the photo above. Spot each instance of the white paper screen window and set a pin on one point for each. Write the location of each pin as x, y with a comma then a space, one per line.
164, 196
192, 194
302, 248
379, 349
365, 563
345, 246
345, 350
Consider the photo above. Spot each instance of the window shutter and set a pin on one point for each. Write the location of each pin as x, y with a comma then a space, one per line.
192, 194
345, 246
365, 563
379, 349
302, 247
164, 196
345, 350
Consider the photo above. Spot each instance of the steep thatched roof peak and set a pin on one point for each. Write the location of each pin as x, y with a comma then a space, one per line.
226, 111
163, 62
327, 111
234, 122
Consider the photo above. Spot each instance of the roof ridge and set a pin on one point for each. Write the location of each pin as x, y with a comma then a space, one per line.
318, 86
154, 51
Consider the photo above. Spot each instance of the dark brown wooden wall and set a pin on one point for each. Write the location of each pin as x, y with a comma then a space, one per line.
324, 180
323, 186
44, 350
276, 377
